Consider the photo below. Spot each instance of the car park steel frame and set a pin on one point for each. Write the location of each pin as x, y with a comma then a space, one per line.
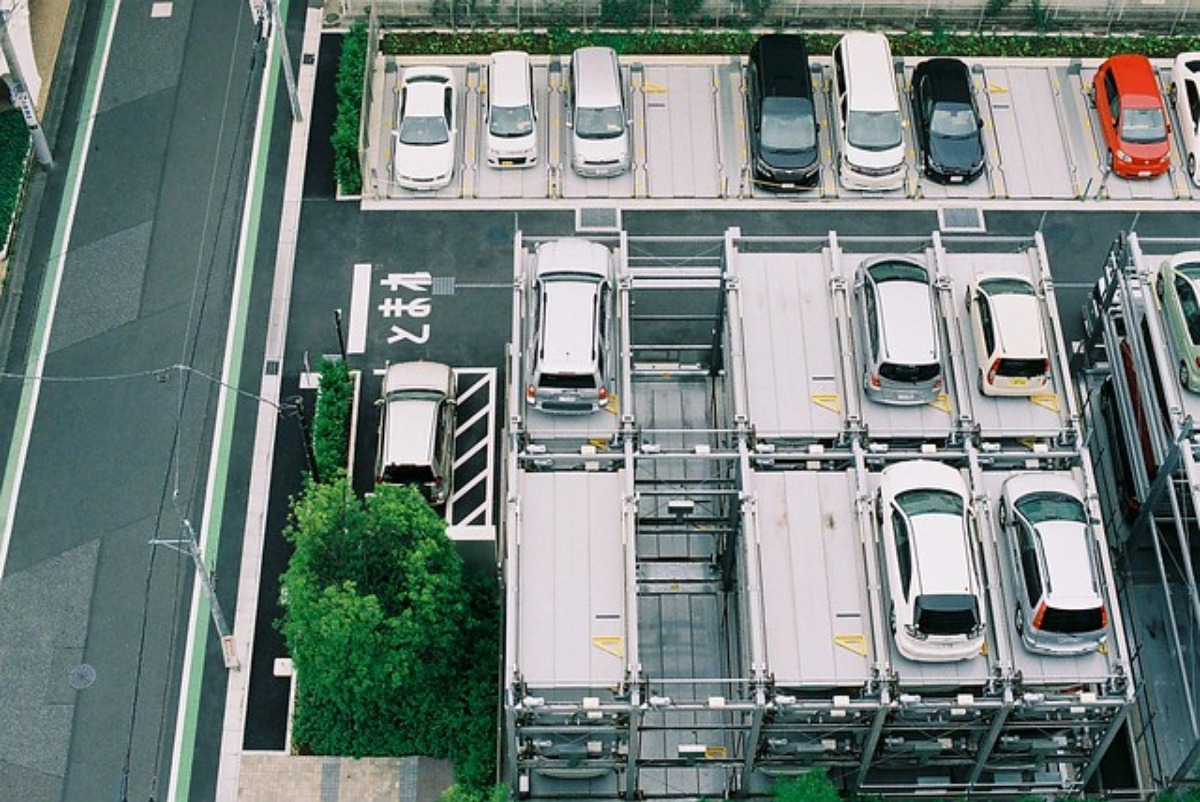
1126, 346
693, 532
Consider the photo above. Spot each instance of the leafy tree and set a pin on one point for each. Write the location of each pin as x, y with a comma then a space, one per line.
395, 648
813, 786
14, 155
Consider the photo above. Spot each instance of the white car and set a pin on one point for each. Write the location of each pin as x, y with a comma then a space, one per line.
425, 140
936, 603
1010, 346
1185, 96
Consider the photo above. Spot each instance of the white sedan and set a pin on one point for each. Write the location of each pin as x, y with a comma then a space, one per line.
425, 139
1185, 96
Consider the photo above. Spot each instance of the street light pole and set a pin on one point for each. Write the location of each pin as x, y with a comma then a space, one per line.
20, 94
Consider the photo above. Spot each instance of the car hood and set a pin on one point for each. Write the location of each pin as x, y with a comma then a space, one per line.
955, 155
603, 150
789, 159
424, 161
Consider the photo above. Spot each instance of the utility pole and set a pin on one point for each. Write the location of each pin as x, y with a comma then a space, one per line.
20, 94
270, 23
188, 545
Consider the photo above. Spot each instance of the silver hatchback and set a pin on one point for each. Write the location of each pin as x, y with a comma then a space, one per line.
898, 330
416, 428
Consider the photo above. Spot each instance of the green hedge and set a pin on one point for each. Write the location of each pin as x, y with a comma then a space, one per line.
331, 421
14, 155
563, 41
351, 68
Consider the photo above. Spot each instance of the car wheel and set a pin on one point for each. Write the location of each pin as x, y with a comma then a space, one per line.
1108, 161
892, 617
1173, 93
1183, 375
1158, 286
1019, 620
1002, 515
1192, 166
979, 381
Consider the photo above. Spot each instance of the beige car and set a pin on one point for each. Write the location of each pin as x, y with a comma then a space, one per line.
416, 428
1010, 340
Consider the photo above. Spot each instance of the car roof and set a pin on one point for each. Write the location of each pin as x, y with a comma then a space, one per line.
783, 65
568, 326
410, 430
907, 323
1135, 77
1067, 552
425, 92
939, 544
513, 67
948, 79
1017, 319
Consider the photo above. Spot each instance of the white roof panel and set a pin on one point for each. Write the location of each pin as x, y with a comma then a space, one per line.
813, 578
571, 575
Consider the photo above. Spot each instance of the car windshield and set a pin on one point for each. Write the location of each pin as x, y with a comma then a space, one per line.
930, 502
897, 271
1143, 125
946, 614
606, 123
1041, 507
1006, 286
953, 121
424, 131
511, 122
414, 395
1073, 622
910, 374
787, 124
873, 130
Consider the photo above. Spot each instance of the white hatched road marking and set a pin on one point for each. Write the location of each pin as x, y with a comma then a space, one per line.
480, 379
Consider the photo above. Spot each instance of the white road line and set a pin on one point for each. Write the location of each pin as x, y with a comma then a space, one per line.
470, 452
462, 426
360, 298
33, 386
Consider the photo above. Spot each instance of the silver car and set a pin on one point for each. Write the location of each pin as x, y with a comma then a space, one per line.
416, 428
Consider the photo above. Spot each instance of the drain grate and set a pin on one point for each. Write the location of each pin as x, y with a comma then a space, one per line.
593, 219
443, 285
961, 219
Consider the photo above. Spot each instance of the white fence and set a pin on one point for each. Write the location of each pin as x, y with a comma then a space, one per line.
1158, 16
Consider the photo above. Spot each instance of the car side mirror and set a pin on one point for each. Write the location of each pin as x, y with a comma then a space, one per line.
570, 124
378, 402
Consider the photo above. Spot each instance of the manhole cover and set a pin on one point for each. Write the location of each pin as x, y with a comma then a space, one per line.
82, 676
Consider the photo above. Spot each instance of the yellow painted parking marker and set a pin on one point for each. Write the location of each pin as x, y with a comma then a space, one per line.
997, 89
714, 752
983, 648
853, 643
830, 401
653, 88
942, 403
1046, 400
611, 644
613, 406
599, 443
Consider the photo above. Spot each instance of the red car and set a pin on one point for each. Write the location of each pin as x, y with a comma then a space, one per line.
1132, 116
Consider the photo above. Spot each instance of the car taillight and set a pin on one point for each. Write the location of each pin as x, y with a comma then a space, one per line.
603, 394
1198, 361
995, 366
937, 383
531, 393
1038, 616
1103, 616
874, 380
1045, 367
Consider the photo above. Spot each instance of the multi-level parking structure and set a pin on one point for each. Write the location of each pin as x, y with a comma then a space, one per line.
694, 580
689, 132
1148, 466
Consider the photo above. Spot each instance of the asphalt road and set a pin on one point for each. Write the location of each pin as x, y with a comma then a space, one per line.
94, 618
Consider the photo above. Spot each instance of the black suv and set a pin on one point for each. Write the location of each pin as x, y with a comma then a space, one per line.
783, 123
946, 121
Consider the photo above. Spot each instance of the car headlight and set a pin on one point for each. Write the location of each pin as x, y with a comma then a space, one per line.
1123, 156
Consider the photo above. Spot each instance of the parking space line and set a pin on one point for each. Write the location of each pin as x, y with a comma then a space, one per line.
461, 459
463, 426
470, 485
360, 299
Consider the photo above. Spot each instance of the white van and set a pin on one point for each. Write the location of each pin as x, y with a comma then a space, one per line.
870, 129
512, 139
599, 119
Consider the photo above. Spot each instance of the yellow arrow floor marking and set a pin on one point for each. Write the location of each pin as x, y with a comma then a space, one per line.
611, 644
1047, 400
854, 643
830, 401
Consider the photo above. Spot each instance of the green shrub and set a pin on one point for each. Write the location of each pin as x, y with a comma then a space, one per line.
813, 786
331, 421
14, 156
349, 83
